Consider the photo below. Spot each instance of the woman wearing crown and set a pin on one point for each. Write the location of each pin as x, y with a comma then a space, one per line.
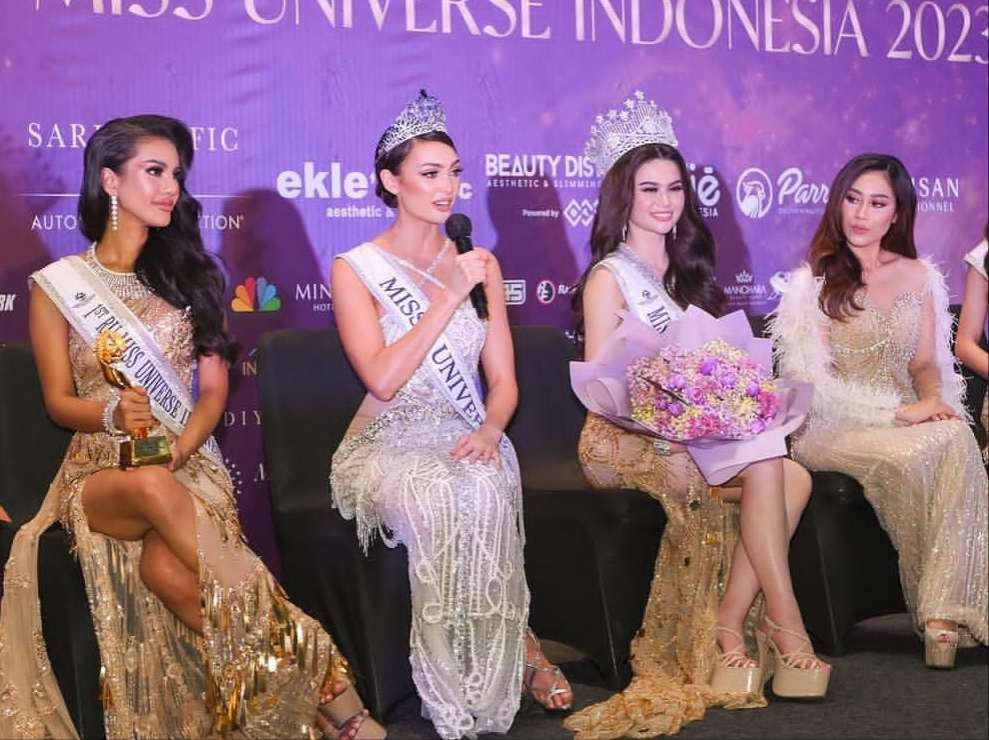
196, 638
653, 255
425, 462
868, 322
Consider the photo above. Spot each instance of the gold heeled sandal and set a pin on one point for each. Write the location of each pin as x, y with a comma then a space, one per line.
798, 674
344, 707
940, 647
732, 674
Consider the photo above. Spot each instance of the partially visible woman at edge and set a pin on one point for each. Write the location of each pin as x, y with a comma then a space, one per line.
425, 461
653, 255
196, 637
868, 323
971, 325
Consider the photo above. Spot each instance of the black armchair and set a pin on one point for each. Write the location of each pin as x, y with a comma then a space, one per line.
31, 450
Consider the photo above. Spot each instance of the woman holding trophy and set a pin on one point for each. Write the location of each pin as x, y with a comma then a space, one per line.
653, 263
196, 637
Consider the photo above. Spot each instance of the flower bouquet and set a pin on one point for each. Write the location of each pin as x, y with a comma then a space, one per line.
704, 382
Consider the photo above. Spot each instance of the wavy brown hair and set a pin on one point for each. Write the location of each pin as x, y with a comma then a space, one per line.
830, 255
689, 279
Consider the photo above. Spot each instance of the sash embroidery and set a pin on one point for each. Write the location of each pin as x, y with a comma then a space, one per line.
408, 304
91, 308
649, 305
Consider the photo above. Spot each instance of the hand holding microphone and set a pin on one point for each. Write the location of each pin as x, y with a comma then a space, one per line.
458, 230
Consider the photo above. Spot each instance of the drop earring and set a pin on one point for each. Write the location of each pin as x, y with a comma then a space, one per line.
114, 216
674, 232
625, 232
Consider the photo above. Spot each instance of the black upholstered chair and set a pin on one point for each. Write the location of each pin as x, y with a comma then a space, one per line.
31, 450
589, 554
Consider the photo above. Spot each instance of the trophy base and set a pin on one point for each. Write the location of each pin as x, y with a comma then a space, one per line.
148, 451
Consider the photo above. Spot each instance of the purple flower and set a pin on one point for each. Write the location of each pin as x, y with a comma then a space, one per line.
708, 366
757, 426
752, 389
677, 381
675, 408
695, 394
729, 380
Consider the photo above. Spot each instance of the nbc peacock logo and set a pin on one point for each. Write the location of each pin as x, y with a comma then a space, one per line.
256, 294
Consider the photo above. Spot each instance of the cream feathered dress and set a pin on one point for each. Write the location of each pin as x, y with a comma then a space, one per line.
926, 482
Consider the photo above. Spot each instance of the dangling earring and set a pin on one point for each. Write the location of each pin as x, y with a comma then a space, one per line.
624, 232
674, 232
114, 217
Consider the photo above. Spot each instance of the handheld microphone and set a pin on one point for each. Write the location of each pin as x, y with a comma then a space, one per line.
458, 229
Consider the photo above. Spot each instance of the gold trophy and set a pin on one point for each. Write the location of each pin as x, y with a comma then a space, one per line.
138, 448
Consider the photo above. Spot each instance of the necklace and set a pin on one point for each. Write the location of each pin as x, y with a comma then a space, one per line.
124, 285
427, 274
645, 269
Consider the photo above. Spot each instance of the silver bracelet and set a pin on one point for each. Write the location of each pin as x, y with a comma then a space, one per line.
662, 447
111, 405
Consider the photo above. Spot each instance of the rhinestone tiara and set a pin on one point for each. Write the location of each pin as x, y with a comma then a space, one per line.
421, 116
619, 132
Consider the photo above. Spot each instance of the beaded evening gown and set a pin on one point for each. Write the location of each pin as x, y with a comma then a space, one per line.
926, 482
258, 669
674, 651
462, 526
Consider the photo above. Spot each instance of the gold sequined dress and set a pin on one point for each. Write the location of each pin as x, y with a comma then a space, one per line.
258, 669
674, 651
926, 482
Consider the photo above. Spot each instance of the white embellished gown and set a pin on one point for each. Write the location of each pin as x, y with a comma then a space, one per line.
462, 526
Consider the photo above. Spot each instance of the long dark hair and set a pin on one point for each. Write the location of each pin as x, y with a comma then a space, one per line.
830, 255
174, 263
689, 279
392, 161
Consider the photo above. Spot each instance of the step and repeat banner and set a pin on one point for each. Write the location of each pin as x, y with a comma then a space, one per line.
287, 98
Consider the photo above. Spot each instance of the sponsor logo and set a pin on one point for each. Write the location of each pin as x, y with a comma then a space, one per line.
707, 189
249, 365
778, 283
538, 170
316, 294
73, 135
756, 193
937, 194
514, 292
580, 212
7, 301
335, 183
242, 418
745, 290
546, 291
256, 294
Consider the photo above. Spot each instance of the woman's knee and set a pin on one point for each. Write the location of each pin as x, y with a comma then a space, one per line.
798, 482
156, 492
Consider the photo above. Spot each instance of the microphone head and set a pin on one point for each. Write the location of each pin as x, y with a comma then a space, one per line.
458, 226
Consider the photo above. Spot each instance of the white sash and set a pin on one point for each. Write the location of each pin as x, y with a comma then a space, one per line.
407, 303
91, 308
645, 300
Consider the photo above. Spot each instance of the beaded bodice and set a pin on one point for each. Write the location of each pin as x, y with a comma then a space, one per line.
874, 347
170, 327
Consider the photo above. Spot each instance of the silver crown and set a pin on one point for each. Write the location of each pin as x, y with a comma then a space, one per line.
423, 115
619, 132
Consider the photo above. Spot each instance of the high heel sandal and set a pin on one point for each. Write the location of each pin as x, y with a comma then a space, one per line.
798, 674
559, 686
731, 675
939, 647
344, 707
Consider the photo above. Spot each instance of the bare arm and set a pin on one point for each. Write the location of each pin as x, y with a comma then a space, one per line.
925, 374
602, 301
49, 333
384, 370
973, 317
498, 355
214, 383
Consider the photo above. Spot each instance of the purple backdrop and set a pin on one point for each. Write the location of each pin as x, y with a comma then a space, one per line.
288, 97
